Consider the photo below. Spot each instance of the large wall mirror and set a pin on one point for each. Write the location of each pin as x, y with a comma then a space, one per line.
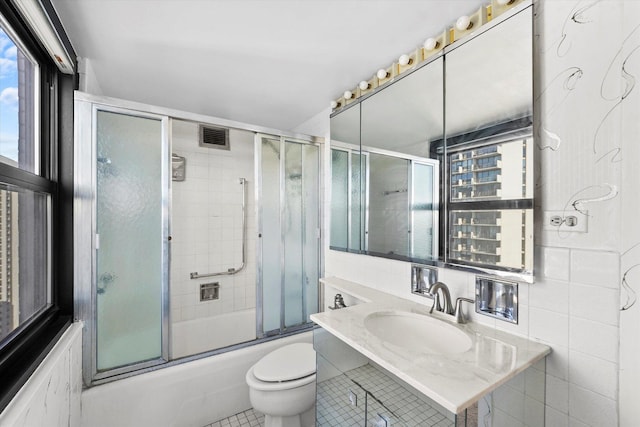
436, 166
398, 126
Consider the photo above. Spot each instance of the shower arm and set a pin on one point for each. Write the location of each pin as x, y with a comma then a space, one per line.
232, 270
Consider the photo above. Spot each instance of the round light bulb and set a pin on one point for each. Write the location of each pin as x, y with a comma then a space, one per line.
348, 94
334, 105
404, 60
382, 73
430, 43
463, 23
363, 85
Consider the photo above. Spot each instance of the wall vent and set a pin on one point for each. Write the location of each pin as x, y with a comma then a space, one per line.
214, 137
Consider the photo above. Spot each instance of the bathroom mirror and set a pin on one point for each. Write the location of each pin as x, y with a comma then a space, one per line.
346, 200
468, 177
398, 128
489, 148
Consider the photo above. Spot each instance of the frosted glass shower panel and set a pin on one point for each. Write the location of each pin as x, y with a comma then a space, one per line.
130, 258
339, 198
388, 226
311, 219
293, 223
271, 235
358, 201
290, 233
424, 210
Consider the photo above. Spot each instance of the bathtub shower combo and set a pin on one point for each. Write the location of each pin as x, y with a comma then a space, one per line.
198, 236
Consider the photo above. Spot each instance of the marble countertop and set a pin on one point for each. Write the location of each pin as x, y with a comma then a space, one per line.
454, 381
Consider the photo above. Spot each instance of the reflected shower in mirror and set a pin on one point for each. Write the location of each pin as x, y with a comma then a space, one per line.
408, 184
347, 232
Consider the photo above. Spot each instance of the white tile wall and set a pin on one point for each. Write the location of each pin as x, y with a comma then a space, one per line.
206, 225
574, 305
51, 396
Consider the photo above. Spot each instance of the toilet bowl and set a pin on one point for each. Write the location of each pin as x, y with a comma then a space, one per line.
282, 386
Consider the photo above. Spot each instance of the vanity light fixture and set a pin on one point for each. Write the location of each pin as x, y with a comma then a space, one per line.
431, 44
382, 74
430, 47
405, 60
498, 7
464, 23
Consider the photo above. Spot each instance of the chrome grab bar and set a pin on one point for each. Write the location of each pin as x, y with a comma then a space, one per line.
231, 271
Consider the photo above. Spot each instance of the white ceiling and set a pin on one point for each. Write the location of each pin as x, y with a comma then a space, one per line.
273, 63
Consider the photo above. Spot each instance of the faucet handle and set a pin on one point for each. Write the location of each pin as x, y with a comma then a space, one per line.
458, 313
436, 302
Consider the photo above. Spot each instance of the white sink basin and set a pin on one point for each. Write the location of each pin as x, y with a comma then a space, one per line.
417, 332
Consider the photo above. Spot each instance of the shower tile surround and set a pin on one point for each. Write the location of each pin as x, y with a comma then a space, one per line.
206, 226
586, 129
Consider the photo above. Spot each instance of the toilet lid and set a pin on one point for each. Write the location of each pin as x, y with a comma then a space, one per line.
287, 363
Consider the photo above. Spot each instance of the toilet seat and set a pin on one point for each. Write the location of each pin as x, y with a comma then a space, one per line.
255, 384
288, 367
288, 363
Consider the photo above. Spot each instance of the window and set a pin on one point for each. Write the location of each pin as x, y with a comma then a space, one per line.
36, 199
24, 214
490, 210
19, 94
25, 281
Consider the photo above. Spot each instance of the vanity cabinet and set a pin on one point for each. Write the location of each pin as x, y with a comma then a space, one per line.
352, 390
386, 361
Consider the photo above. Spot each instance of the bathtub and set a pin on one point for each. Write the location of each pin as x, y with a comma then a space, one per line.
191, 337
194, 394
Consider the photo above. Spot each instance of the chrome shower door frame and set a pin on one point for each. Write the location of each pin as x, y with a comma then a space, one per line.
85, 240
261, 333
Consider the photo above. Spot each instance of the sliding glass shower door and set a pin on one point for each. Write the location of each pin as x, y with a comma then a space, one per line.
130, 260
289, 233
122, 168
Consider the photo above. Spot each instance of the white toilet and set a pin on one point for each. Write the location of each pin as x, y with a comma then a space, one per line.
282, 385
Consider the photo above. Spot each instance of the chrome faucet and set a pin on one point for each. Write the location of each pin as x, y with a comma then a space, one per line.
435, 290
459, 315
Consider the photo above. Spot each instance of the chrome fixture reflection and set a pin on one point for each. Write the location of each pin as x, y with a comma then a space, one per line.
497, 298
233, 270
422, 277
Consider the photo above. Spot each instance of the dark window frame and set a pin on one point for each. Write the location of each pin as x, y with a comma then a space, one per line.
26, 349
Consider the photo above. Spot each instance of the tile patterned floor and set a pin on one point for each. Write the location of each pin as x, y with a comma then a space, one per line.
383, 396
248, 418
334, 409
